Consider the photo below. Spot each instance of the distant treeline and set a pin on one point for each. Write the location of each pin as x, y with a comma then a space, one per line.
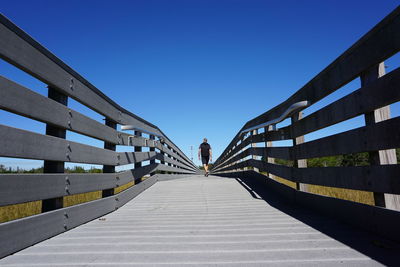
75, 169
354, 159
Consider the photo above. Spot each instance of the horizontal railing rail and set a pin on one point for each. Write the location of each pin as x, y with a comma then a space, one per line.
54, 148
252, 147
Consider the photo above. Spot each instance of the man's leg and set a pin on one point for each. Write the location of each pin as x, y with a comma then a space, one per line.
206, 167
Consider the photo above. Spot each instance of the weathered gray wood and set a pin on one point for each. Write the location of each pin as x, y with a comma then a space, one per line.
281, 134
51, 166
134, 157
19, 234
381, 114
377, 94
24, 144
374, 47
20, 100
298, 140
369, 138
268, 131
234, 159
254, 147
275, 169
166, 168
21, 54
109, 168
383, 179
22, 51
274, 152
234, 150
19, 49
19, 188
177, 156
172, 161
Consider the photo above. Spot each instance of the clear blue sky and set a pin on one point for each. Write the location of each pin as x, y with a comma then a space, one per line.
195, 68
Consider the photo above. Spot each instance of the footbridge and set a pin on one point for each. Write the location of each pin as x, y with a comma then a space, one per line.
259, 207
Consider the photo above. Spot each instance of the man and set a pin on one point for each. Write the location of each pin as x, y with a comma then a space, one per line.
206, 154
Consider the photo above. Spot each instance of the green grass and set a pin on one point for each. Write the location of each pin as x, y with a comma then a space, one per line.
359, 196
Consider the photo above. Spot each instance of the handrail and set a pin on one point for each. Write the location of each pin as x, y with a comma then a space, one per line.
288, 112
377, 92
132, 127
78, 88
341, 71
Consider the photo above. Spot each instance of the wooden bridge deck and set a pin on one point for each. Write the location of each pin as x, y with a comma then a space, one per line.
199, 220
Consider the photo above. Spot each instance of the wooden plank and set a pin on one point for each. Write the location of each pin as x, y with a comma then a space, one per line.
298, 140
275, 169
21, 54
374, 47
134, 157
235, 150
177, 156
19, 234
268, 145
19, 143
166, 168
22, 51
384, 156
278, 135
274, 152
22, 101
379, 93
19, 188
254, 146
383, 179
281, 134
236, 158
369, 138
172, 161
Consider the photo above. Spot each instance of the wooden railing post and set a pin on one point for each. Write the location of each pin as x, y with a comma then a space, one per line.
254, 132
267, 145
298, 163
381, 157
152, 137
169, 164
50, 166
162, 153
109, 168
138, 149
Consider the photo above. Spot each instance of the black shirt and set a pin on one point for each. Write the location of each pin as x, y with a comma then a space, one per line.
205, 149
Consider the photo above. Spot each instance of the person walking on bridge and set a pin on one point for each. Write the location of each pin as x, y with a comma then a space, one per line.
205, 153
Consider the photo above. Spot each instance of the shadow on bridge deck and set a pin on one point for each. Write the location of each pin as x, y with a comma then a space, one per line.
376, 247
209, 221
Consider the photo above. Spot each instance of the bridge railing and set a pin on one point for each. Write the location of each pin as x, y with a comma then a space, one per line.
379, 137
20, 50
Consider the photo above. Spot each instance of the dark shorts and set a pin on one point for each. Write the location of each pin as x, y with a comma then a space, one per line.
205, 159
